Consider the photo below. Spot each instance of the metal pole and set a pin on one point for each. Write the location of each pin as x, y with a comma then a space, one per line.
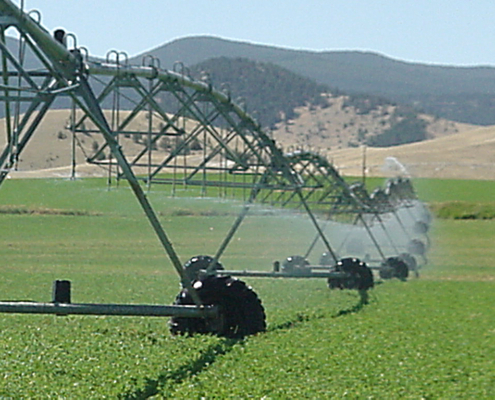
69, 70
73, 130
317, 226
364, 165
130, 310
372, 237
150, 130
236, 225
96, 114
267, 274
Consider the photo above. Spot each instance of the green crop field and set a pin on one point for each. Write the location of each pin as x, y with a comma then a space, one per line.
427, 338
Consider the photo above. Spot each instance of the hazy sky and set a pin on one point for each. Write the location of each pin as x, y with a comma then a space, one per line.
451, 32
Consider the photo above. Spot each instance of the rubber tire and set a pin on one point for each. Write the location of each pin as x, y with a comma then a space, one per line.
241, 311
412, 264
417, 247
361, 277
396, 267
195, 264
421, 228
386, 272
425, 214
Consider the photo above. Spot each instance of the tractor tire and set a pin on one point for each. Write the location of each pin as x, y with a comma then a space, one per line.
394, 267
417, 247
386, 272
425, 214
195, 264
412, 264
241, 311
360, 276
421, 228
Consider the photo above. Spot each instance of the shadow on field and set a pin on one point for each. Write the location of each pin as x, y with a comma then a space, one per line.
192, 367
297, 320
363, 301
301, 318
208, 356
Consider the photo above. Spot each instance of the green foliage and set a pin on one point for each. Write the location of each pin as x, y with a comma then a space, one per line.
431, 337
472, 107
42, 211
409, 343
365, 103
268, 90
409, 129
463, 210
446, 190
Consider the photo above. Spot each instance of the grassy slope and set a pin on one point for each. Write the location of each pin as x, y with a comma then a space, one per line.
426, 338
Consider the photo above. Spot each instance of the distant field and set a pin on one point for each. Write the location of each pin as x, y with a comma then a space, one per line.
440, 190
432, 337
467, 154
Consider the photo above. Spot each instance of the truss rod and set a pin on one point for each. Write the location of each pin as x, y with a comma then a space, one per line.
71, 70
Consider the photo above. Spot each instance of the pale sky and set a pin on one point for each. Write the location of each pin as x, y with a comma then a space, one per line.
448, 32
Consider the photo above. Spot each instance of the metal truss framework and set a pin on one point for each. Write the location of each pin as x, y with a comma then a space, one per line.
210, 141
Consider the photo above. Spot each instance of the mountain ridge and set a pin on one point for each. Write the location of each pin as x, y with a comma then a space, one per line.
434, 89
458, 93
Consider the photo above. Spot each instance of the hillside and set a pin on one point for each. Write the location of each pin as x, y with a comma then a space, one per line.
303, 113
465, 155
344, 123
51, 146
273, 93
267, 90
463, 94
468, 154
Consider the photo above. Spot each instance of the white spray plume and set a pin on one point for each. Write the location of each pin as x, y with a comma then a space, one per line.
392, 164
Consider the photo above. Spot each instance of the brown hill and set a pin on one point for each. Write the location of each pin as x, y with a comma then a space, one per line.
49, 152
466, 155
341, 124
455, 150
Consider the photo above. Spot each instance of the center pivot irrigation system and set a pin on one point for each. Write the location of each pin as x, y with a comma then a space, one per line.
209, 141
